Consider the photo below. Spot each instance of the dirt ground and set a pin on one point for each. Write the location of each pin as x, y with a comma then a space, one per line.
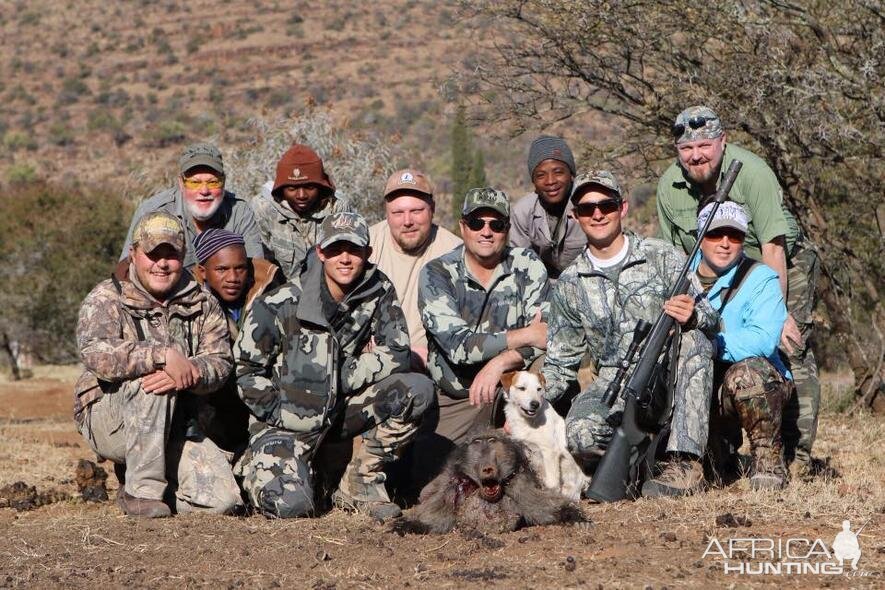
642, 544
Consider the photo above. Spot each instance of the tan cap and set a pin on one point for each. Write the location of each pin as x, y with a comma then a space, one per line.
158, 227
408, 180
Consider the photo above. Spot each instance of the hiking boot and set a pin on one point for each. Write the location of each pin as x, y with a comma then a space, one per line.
142, 507
377, 510
768, 468
681, 476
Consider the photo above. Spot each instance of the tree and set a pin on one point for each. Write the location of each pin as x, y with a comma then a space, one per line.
797, 81
468, 163
56, 243
462, 160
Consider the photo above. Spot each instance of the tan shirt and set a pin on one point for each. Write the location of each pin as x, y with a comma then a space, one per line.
404, 269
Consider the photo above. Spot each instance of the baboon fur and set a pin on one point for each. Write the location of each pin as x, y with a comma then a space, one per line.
487, 485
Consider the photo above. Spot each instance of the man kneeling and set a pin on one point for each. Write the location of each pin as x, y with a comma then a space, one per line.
752, 381
146, 342
326, 357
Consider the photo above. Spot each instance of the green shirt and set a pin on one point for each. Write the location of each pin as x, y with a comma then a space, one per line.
756, 189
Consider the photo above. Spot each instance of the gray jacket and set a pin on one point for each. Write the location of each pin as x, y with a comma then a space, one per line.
529, 229
234, 214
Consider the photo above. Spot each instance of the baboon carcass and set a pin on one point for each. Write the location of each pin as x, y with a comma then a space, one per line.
487, 485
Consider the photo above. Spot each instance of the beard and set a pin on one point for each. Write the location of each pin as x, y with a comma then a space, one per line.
201, 213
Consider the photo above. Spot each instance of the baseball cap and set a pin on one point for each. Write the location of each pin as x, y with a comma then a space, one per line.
158, 227
486, 198
729, 214
201, 154
602, 178
344, 226
697, 122
410, 180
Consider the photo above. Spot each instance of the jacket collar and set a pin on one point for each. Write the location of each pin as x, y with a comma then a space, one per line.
503, 269
309, 308
635, 255
538, 212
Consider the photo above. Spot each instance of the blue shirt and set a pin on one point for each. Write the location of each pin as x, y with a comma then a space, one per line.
751, 323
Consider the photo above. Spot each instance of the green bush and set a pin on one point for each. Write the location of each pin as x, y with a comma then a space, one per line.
53, 261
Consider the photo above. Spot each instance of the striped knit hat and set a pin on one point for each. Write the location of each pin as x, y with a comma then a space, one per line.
214, 239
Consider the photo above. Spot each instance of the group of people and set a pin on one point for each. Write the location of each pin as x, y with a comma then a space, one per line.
245, 350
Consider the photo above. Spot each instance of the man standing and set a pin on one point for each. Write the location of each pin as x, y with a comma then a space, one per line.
754, 382
482, 306
619, 279
303, 196
544, 221
326, 357
235, 280
406, 241
199, 201
146, 342
773, 237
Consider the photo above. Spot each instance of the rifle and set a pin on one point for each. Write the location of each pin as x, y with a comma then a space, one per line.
644, 406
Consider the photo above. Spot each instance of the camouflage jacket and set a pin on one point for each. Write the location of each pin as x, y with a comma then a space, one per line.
286, 235
123, 333
466, 323
293, 368
595, 310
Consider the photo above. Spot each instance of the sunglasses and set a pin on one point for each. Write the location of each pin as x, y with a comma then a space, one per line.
734, 236
498, 226
606, 207
192, 184
693, 123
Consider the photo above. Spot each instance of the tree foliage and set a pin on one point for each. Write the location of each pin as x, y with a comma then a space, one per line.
56, 243
797, 81
468, 162
359, 166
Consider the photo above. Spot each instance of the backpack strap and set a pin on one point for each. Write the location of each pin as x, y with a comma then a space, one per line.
743, 270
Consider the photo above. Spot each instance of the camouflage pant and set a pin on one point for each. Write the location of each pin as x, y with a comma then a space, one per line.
278, 470
801, 411
141, 430
752, 396
587, 428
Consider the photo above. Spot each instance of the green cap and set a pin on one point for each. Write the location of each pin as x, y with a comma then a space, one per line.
486, 198
602, 178
344, 226
201, 154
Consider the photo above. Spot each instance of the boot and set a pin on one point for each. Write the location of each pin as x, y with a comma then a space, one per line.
768, 471
375, 509
141, 507
682, 475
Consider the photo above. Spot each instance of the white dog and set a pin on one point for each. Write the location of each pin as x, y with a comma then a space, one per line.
533, 421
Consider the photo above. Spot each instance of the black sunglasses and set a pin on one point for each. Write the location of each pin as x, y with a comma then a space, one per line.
734, 235
477, 223
694, 123
606, 207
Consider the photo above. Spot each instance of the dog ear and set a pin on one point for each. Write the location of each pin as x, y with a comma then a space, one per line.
542, 381
507, 380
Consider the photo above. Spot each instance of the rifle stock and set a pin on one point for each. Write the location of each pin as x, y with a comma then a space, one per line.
616, 472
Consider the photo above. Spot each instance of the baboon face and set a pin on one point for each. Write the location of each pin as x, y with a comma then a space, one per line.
491, 460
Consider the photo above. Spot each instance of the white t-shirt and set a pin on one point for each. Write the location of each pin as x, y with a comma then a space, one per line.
614, 260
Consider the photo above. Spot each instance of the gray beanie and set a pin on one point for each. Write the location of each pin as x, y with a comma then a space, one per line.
548, 147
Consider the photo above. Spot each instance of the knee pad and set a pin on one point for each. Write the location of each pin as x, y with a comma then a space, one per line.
286, 497
586, 434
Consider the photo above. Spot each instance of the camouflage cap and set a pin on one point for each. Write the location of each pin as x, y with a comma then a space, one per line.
344, 226
486, 198
698, 122
729, 214
602, 178
201, 154
408, 180
158, 227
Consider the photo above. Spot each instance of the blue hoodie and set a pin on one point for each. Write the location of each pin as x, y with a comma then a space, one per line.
752, 321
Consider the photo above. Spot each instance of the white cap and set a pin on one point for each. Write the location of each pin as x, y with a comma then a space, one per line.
729, 214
